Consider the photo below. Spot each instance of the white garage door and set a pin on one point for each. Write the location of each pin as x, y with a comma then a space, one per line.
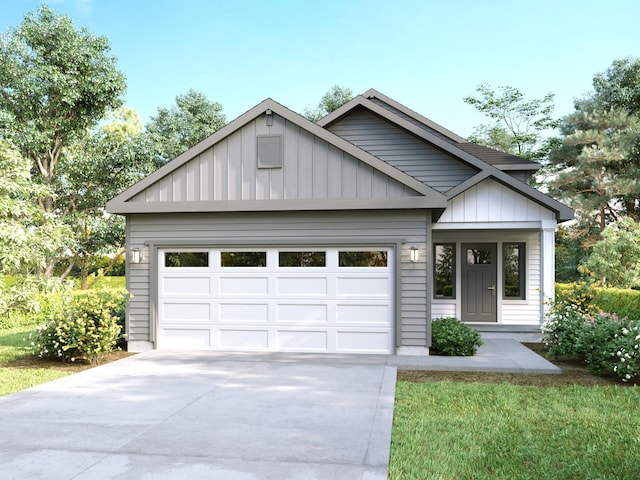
287, 299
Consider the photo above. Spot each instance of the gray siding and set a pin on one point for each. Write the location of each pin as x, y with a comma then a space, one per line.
409, 118
413, 156
285, 228
312, 169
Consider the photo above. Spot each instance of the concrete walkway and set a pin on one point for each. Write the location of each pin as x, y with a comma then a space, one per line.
497, 354
212, 415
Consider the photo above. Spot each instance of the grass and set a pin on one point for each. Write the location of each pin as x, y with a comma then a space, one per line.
20, 370
470, 425
448, 430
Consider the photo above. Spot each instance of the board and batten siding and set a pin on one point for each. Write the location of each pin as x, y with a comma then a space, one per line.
312, 169
510, 312
490, 201
209, 230
409, 154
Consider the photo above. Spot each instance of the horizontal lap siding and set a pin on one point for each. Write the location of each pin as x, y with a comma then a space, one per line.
403, 150
374, 227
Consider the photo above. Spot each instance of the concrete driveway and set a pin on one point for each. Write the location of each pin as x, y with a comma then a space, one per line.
205, 415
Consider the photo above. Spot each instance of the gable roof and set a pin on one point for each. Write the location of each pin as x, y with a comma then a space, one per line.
427, 198
453, 144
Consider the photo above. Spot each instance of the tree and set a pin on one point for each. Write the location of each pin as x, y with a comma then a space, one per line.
94, 169
192, 119
332, 100
593, 171
517, 126
56, 82
28, 234
615, 259
619, 85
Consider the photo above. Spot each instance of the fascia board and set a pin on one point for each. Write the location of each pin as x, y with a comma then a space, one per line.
372, 93
278, 205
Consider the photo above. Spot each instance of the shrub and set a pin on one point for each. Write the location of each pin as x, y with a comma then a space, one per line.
627, 357
565, 317
81, 326
600, 339
452, 337
625, 303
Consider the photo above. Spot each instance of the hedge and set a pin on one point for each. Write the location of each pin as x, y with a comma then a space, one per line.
625, 303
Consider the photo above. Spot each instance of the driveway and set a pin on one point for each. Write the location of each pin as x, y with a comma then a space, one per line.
205, 415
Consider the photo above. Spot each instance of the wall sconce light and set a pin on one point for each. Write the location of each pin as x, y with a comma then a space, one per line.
415, 254
269, 117
136, 256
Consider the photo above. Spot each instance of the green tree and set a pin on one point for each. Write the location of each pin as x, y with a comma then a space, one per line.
94, 169
332, 100
29, 236
619, 85
192, 119
517, 125
593, 171
615, 259
56, 83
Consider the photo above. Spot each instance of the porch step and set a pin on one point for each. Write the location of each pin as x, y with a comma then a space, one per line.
505, 328
520, 333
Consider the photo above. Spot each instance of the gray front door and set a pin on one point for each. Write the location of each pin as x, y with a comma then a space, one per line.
479, 281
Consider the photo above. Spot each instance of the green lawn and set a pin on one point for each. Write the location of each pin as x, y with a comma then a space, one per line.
15, 377
450, 431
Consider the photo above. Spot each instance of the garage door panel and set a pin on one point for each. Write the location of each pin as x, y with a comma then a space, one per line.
243, 312
186, 311
363, 286
293, 340
362, 314
243, 339
191, 339
363, 342
243, 285
180, 285
301, 313
302, 286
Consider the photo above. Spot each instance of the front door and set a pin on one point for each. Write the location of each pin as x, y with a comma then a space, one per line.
479, 282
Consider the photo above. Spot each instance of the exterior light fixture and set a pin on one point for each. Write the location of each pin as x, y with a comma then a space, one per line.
136, 256
415, 254
269, 117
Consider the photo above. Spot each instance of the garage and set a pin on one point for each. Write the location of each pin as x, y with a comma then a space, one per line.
293, 299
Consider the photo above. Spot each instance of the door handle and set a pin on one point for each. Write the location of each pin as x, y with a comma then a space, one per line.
493, 289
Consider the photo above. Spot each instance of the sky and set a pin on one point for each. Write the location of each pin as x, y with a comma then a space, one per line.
426, 54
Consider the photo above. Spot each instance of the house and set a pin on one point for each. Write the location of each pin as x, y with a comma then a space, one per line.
346, 235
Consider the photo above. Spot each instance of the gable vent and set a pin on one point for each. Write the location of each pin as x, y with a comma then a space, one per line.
269, 151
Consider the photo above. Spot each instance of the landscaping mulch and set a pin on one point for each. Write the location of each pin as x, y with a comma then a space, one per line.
71, 367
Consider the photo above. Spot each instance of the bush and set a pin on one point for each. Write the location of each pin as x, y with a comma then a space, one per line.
625, 303
452, 337
599, 340
83, 326
607, 342
627, 358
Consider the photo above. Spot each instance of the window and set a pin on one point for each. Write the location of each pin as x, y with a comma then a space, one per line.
243, 259
362, 259
301, 259
186, 259
513, 258
269, 151
444, 266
